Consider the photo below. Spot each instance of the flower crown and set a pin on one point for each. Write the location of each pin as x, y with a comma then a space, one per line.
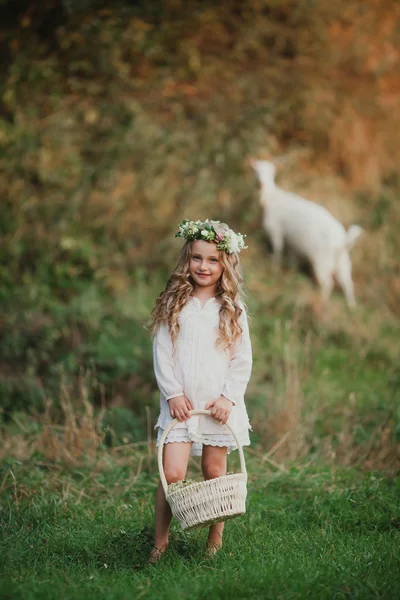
212, 231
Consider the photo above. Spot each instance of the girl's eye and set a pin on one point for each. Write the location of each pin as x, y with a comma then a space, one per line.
214, 260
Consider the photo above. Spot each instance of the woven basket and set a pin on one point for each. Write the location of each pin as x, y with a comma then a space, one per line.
206, 502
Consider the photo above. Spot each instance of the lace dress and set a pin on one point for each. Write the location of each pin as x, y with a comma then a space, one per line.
202, 372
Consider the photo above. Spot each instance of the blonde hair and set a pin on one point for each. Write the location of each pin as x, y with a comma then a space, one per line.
178, 292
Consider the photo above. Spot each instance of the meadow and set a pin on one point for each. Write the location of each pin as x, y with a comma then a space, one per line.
115, 124
309, 533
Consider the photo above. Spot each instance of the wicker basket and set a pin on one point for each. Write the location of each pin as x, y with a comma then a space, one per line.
206, 502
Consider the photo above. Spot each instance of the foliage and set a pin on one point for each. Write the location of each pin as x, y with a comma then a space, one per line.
118, 122
46, 342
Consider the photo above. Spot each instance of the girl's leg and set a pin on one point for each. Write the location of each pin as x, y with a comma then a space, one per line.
176, 458
214, 465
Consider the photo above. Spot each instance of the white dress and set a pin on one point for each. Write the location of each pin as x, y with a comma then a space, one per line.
201, 371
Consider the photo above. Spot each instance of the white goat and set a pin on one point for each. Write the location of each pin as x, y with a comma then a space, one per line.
308, 229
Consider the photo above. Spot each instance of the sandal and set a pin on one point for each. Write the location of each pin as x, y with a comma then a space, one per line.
156, 555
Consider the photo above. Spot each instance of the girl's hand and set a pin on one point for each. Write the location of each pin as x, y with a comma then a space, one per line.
179, 408
220, 409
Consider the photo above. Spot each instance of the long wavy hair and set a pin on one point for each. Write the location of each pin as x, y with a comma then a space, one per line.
179, 289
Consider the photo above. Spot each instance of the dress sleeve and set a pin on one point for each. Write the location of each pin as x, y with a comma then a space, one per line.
240, 366
164, 364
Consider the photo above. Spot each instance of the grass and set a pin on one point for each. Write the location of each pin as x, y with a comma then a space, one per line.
115, 126
327, 387
308, 533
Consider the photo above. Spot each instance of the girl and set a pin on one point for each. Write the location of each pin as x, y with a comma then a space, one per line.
202, 359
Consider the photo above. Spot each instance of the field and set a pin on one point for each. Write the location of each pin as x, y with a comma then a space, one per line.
308, 533
116, 122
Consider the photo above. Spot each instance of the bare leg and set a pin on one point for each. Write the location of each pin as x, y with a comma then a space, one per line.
176, 458
163, 519
214, 465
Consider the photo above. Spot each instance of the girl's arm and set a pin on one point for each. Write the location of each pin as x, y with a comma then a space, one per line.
240, 366
167, 383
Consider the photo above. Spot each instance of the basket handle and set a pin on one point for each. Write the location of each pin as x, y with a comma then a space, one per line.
168, 429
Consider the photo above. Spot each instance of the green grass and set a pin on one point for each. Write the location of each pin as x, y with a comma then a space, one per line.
116, 126
308, 533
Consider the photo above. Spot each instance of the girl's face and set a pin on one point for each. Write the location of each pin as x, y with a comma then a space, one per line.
205, 265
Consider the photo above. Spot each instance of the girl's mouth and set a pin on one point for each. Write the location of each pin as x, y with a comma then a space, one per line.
202, 275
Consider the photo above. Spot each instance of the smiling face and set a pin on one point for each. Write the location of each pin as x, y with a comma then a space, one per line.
205, 265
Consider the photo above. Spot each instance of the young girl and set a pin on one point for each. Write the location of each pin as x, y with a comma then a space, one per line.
202, 360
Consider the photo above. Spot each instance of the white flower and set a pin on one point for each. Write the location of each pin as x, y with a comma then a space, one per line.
233, 243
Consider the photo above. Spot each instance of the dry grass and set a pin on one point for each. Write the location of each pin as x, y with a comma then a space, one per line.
288, 428
289, 423
73, 438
